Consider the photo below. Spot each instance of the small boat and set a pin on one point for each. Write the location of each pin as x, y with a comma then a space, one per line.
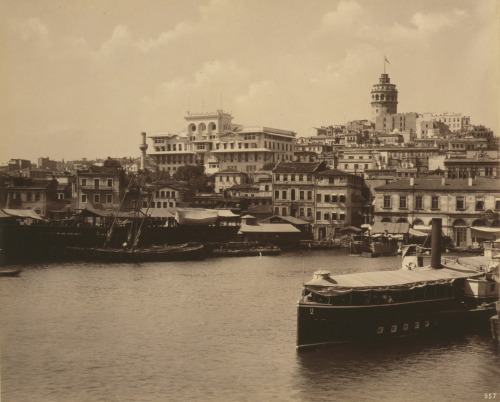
319, 245
10, 272
414, 300
245, 250
183, 252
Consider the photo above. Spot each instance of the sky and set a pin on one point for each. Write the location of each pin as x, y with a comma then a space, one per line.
83, 78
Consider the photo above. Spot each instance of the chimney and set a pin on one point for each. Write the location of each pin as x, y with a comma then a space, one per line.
443, 181
470, 181
436, 243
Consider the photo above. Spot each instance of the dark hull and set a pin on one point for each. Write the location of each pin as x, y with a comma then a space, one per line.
140, 254
10, 272
246, 252
322, 325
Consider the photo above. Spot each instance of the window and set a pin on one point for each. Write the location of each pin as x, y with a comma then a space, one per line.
276, 210
97, 198
283, 194
283, 211
84, 182
96, 183
387, 201
318, 215
292, 194
342, 198
460, 203
285, 177
110, 182
331, 180
497, 204
28, 197
342, 217
318, 197
309, 212
144, 204
327, 216
276, 194
301, 195
402, 202
435, 202
277, 177
309, 177
334, 198
301, 177
292, 177
479, 204
309, 195
327, 198
37, 196
419, 204
301, 211
84, 197
109, 198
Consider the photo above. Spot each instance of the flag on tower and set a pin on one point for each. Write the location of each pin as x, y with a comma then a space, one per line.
387, 60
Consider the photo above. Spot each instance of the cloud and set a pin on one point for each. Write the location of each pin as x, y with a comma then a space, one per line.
33, 29
422, 25
346, 15
181, 29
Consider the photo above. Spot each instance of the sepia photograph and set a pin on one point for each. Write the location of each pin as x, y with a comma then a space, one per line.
249, 200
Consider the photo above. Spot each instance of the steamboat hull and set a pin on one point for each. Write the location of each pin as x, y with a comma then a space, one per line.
322, 325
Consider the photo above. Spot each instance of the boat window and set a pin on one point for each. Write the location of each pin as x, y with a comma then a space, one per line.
394, 328
440, 291
417, 325
380, 330
358, 298
405, 327
341, 300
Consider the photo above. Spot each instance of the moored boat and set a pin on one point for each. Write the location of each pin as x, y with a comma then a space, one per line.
10, 272
388, 304
245, 250
183, 252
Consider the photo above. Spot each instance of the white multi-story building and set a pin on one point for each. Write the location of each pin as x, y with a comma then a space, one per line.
213, 140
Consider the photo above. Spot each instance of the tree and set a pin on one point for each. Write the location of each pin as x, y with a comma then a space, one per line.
195, 177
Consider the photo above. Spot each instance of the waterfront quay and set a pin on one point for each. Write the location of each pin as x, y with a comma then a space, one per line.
85, 331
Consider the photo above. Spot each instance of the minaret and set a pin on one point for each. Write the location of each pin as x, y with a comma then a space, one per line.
384, 97
143, 147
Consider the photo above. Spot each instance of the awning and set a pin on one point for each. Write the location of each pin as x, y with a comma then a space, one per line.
391, 228
350, 229
269, 228
414, 232
23, 213
486, 229
226, 213
159, 212
423, 228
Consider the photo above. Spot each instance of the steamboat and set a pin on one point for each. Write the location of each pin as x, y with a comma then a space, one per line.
416, 299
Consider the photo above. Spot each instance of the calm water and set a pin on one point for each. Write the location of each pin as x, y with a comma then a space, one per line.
217, 330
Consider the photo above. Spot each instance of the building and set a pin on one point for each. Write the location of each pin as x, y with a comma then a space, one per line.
294, 187
464, 205
397, 121
99, 187
227, 178
356, 160
213, 140
339, 202
168, 195
39, 195
384, 97
475, 165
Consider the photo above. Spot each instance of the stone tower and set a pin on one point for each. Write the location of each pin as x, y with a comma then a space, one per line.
384, 97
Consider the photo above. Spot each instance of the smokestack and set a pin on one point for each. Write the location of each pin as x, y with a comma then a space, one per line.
143, 147
436, 243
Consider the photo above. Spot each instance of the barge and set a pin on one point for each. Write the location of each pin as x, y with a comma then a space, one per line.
387, 304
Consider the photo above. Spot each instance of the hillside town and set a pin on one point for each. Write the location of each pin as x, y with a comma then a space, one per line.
393, 168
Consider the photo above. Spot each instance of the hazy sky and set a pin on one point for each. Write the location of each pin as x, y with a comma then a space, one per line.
83, 78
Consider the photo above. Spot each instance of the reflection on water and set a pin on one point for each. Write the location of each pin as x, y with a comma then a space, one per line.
220, 329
